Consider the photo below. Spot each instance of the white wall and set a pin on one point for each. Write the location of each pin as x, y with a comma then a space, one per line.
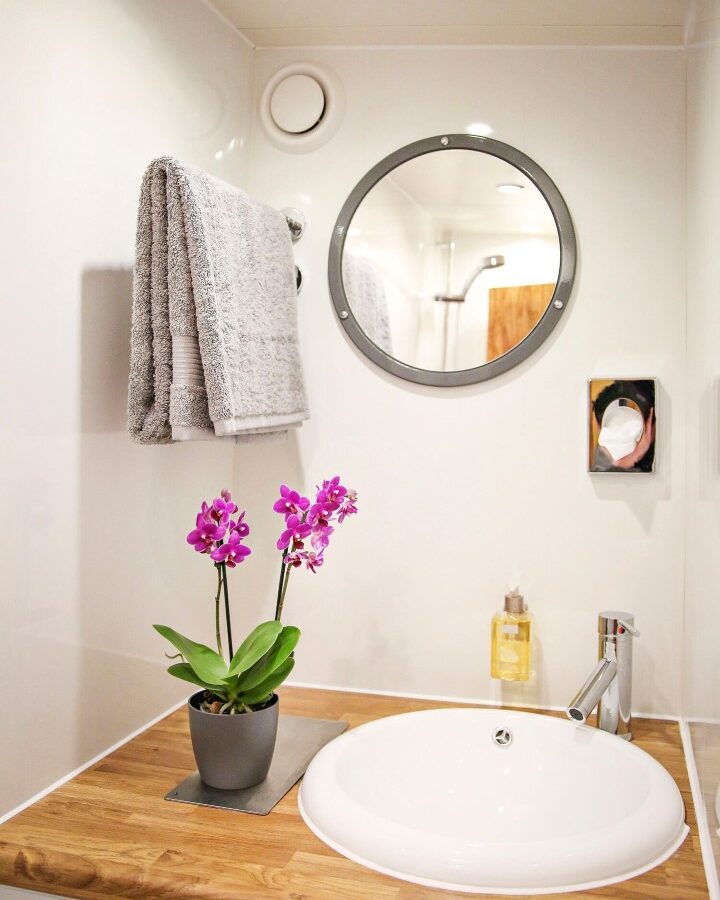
702, 599
464, 491
703, 559
90, 91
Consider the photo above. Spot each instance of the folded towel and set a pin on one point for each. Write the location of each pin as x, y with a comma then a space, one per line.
365, 292
214, 347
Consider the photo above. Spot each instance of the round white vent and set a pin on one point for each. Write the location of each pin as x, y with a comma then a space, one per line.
297, 104
301, 107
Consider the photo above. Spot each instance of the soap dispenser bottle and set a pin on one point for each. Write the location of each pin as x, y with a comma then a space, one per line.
511, 651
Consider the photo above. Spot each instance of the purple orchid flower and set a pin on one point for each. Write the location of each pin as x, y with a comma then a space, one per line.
295, 533
240, 527
321, 538
294, 559
348, 508
331, 493
227, 497
314, 560
335, 490
319, 516
290, 502
210, 514
222, 509
231, 553
205, 534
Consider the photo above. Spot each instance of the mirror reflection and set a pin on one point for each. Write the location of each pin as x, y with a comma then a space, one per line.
451, 260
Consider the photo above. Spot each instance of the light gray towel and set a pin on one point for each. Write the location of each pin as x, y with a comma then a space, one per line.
365, 292
214, 348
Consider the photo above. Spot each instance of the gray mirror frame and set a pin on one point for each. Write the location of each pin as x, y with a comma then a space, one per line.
551, 316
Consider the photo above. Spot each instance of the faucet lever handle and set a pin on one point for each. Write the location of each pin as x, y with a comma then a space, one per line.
613, 622
631, 629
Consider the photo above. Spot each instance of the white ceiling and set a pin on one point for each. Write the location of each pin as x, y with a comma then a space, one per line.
281, 23
459, 189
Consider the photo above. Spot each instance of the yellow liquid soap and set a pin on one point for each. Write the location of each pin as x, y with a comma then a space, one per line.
511, 649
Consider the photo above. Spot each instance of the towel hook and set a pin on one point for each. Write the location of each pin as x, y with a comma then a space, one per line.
296, 222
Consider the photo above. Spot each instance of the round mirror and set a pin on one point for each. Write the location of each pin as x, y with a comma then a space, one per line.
452, 260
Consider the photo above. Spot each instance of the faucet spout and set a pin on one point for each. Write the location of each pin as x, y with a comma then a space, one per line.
609, 687
588, 697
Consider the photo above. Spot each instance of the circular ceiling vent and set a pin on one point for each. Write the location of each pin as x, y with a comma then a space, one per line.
301, 107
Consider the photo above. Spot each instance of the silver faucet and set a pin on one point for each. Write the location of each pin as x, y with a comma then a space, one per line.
609, 687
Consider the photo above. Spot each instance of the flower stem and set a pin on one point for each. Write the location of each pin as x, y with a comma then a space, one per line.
217, 611
227, 610
278, 602
278, 613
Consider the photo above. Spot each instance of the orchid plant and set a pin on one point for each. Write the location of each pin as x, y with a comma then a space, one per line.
265, 658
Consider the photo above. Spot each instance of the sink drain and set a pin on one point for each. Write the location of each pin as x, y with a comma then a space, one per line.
502, 737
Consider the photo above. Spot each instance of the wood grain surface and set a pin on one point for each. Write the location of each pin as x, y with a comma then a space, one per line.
513, 312
109, 832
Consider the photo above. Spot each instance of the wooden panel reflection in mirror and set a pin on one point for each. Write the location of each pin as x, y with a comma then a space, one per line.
513, 312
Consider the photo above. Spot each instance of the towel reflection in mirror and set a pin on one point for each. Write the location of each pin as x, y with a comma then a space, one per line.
367, 299
622, 425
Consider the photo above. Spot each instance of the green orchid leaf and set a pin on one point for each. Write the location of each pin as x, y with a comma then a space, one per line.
206, 663
186, 672
255, 645
282, 648
263, 690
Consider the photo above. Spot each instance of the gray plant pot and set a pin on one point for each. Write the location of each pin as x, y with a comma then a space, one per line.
233, 752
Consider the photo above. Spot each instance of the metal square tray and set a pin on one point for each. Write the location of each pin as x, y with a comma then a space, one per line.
299, 738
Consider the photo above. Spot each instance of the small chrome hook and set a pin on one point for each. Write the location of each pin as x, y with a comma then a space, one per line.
296, 221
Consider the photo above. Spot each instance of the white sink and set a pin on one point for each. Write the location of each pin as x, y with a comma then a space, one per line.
431, 798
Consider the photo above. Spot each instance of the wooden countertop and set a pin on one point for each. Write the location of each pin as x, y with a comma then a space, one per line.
109, 832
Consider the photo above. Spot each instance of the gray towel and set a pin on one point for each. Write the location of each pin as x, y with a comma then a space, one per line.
214, 347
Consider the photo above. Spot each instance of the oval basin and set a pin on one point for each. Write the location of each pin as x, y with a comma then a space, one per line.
432, 798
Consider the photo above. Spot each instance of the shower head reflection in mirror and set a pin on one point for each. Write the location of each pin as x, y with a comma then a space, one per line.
489, 262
